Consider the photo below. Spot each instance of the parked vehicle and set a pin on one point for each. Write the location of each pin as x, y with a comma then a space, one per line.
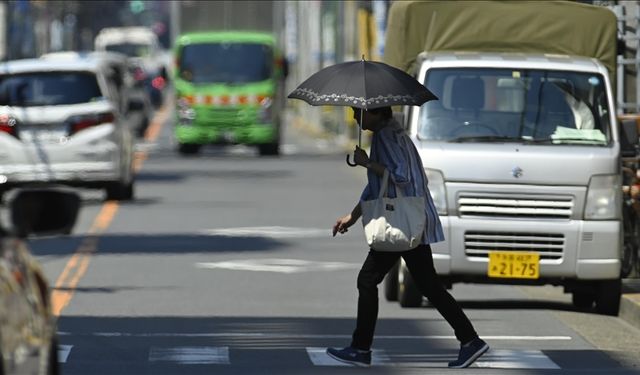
229, 89
63, 120
522, 149
143, 49
28, 343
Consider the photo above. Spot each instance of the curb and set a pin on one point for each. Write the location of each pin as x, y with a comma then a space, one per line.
630, 309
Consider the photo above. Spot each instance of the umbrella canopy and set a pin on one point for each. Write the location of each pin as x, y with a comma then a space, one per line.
362, 84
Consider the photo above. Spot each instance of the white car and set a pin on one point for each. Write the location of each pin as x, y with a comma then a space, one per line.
63, 121
145, 53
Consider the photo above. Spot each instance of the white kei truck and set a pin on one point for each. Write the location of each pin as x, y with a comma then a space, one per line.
523, 149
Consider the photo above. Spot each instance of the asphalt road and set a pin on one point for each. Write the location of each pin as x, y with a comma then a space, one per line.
224, 263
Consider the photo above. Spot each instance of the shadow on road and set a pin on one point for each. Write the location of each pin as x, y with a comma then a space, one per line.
156, 244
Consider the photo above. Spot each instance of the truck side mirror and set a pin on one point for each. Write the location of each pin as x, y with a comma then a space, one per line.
628, 138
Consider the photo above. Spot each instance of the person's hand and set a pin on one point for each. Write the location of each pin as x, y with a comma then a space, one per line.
360, 157
342, 225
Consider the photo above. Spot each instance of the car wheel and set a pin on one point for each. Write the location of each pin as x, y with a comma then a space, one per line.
408, 293
188, 148
53, 367
120, 191
2, 372
391, 283
608, 297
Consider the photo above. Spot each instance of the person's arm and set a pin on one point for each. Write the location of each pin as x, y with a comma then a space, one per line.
342, 224
361, 158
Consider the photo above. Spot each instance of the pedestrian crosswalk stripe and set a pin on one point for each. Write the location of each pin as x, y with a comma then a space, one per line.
191, 355
516, 359
319, 357
63, 352
494, 358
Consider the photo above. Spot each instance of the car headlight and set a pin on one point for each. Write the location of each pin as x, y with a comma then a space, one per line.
604, 198
437, 189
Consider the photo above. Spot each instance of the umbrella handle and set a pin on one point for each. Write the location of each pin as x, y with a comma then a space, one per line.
350, 163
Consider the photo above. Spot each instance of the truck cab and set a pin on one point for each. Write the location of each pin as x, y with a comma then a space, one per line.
229, 90
522, 149
524, 168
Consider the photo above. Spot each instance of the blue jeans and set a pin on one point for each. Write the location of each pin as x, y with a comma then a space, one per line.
420, 264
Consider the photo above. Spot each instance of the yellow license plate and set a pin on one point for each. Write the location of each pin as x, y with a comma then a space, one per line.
514, 265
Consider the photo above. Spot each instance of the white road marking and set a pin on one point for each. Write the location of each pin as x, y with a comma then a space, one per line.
259, 335
516, 359
191, 355
63, 352
278, 265
319, 357
271, 232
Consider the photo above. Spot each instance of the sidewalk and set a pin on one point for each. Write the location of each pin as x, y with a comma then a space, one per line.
630, 302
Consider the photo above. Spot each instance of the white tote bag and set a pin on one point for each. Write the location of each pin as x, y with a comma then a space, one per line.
393, 224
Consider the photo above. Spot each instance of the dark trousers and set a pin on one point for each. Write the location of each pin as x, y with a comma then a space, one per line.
420, 264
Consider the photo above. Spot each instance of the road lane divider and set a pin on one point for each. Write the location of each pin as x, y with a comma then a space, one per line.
76, 267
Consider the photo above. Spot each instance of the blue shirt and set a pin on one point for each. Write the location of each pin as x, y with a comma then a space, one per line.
392, 147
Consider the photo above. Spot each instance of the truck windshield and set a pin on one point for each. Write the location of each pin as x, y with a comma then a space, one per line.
506, 105
48, 88
231, 63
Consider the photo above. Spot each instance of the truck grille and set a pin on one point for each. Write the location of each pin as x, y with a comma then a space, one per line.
230, 117
479, 244
557, 208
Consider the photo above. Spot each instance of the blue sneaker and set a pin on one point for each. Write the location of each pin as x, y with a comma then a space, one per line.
351, 356
469, 353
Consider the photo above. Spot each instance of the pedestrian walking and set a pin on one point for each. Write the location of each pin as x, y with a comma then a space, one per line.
393, 151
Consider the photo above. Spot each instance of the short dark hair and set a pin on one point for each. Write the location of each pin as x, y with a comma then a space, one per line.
386, 112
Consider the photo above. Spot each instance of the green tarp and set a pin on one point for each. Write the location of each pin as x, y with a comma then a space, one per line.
555, 27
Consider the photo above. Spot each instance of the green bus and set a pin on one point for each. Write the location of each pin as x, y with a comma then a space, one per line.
229, 89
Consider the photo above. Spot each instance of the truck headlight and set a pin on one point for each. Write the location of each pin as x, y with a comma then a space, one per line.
604, 198
265, 111
186, 114
437, 189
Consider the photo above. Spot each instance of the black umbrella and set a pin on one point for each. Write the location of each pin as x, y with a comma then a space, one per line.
362, 84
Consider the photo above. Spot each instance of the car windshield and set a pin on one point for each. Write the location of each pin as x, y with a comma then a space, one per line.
50, 88
225, 63
130, 49
506, 105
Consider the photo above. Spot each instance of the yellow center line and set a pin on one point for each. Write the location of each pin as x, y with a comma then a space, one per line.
78, 264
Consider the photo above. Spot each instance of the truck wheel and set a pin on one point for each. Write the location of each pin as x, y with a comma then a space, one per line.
582, 300
391, 283
269, 149
188, 148
408, 293
608, 295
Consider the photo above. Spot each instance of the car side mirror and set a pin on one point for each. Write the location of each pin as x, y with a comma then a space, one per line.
44, 211
628, 138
